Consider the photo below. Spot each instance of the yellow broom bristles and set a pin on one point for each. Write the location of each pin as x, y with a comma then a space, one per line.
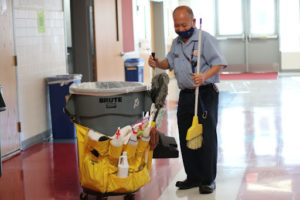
195, 143
194, 135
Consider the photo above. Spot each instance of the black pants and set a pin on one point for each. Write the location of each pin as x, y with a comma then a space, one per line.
201, 164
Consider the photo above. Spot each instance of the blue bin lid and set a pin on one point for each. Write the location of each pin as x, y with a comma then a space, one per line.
134, 62
63, 78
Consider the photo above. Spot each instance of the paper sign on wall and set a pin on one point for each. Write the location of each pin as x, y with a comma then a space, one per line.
3, 6
41, 21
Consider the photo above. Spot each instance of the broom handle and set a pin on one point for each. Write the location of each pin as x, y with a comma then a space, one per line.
198, 66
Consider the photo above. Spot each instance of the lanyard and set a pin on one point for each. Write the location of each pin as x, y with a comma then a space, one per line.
190, 60
194, 64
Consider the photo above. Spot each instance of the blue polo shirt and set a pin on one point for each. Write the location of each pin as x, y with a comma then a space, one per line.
181, 54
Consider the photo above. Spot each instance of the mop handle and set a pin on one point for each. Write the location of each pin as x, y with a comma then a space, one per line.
153, 69
198, 66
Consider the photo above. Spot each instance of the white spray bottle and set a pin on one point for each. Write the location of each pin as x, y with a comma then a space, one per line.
146, 133
117, 141
123, 166
133, 137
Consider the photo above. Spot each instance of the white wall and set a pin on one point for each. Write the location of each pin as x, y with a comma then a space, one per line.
39, 55
68, 22
290, 34
290, 61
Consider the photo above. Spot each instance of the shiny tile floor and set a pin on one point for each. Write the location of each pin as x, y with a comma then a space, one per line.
258, 159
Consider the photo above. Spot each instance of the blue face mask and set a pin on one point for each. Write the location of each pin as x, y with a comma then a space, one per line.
186, 34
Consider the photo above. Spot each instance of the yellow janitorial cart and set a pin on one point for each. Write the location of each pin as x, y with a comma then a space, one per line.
112, 122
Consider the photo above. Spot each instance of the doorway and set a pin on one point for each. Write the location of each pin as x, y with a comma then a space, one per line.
248, 34
10, 127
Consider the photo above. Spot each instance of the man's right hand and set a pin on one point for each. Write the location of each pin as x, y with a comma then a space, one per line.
153, 62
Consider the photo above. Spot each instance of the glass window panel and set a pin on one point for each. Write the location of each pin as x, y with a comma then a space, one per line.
204, 9
230, 17
262, 17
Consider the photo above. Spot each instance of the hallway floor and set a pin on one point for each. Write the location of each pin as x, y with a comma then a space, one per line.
259, 157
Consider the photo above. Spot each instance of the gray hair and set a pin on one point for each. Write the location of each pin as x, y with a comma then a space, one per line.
186, 8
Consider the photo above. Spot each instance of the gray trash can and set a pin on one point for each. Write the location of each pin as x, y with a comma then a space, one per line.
105, 106
2, 108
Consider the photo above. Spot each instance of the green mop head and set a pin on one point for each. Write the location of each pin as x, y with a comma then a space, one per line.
159, 89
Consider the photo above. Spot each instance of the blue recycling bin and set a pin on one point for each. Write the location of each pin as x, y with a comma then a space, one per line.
62, 127
134, 69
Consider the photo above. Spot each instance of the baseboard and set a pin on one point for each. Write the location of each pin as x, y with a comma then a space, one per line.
10, 155
37, 139
289, 71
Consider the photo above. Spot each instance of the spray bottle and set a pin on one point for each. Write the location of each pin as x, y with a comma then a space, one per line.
146, 133
133, 137
125, 133
117, 141
123, 166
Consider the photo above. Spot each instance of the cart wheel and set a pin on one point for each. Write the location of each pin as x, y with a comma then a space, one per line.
83, 196
129, 197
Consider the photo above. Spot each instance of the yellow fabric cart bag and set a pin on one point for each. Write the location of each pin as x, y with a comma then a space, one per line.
99, 172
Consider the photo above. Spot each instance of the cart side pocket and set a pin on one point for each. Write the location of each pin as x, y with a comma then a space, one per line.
140, 154
95, 173
132, 183
98, 148
131, 149
115, 151
141, 178
120, 185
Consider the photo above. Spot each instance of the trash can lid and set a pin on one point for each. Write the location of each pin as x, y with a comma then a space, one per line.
108, 88
134, 62
63, 78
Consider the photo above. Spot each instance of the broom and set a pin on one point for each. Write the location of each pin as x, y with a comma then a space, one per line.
194, 134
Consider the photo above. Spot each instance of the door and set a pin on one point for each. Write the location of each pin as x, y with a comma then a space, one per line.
10, 138
108, 40
248, 34
142, 36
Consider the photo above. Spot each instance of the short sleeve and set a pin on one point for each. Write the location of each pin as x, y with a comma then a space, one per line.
171, 56
212, 52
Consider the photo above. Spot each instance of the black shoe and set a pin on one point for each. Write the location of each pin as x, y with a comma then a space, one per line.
187, 184
207, 189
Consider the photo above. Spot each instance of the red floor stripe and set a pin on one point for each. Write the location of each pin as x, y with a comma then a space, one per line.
249, 76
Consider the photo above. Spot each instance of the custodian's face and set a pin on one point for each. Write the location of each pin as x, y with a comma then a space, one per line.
183, 21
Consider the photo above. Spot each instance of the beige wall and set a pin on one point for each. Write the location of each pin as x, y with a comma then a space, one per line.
290, 35
39, 55
290, 60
